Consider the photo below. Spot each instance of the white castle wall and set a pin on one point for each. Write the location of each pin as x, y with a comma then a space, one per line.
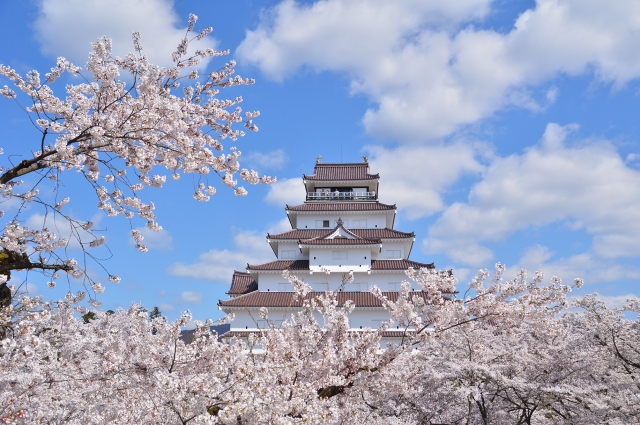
309, 221
274, 282
250, 319
291, 251
390, 246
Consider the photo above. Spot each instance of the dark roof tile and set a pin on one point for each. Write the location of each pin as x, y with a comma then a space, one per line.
304, 265
398, 265
340, 241
341, 206
337, 172
242, 283
393, 333
298, 234
281, 265
288, 299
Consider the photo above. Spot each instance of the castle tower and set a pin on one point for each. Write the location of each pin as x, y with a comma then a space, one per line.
341, 227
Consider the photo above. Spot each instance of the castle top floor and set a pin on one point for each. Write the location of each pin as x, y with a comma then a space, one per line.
341, 182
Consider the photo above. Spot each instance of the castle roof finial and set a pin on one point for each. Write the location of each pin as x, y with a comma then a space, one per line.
339, 222
318, 159
366, 159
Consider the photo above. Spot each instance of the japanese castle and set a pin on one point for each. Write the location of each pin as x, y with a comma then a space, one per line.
340, 228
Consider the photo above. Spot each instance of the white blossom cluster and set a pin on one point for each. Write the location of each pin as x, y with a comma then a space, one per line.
123, 126
509, 354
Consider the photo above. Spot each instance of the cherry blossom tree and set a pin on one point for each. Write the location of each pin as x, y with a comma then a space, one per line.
506, 352
123, 124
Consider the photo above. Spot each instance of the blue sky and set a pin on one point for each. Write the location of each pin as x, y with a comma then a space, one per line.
504, 131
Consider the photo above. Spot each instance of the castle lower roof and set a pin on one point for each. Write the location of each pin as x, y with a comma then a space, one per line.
298, 234
341, 206
289, 299
281, 265
338, 172
340, 241
242, 283
390, 333
303, 265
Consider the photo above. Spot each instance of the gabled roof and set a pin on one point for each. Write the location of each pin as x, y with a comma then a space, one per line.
337, 172
303, 265
340, 241
399, 265
281, 265
297, 234
242, 283
288, 299
340, 236
341, 206
391, 333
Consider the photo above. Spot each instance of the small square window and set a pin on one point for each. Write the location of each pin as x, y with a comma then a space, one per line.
325, 223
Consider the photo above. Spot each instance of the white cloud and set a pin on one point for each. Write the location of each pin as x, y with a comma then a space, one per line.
191, 297
586, 266
587, 186
162, 240
67, 27
273, 160
415, 178
613, 301
431, 69
279, 226
286, 191
218, 265
164, 307
63, 228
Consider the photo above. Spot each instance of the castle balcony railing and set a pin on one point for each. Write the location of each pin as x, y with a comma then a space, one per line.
341, 196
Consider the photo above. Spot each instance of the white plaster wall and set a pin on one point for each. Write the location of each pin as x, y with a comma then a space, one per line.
386, 246
357, 259
308, 221
318, 281
250, 319
290, 247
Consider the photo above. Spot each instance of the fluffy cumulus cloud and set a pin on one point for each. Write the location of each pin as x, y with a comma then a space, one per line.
431, 68
586, 185
286, 191
415, 178
587, 266
191, 297
64, 229
67, 27
273, 160
162, 240
218, 265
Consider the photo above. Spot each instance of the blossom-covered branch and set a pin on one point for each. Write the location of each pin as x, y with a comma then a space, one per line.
124, 124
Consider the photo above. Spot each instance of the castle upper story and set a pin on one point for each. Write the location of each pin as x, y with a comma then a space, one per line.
344, 182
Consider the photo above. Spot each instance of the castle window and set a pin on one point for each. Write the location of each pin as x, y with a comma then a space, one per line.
393, 254
359, 224
340, 255
288, 254
394, 286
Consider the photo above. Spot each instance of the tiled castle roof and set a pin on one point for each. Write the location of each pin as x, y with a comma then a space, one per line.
304, 265
297, 234
288, 299
337, 172
398, 265
242, 283
281, 265
340, 241
341, 206
391, 333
